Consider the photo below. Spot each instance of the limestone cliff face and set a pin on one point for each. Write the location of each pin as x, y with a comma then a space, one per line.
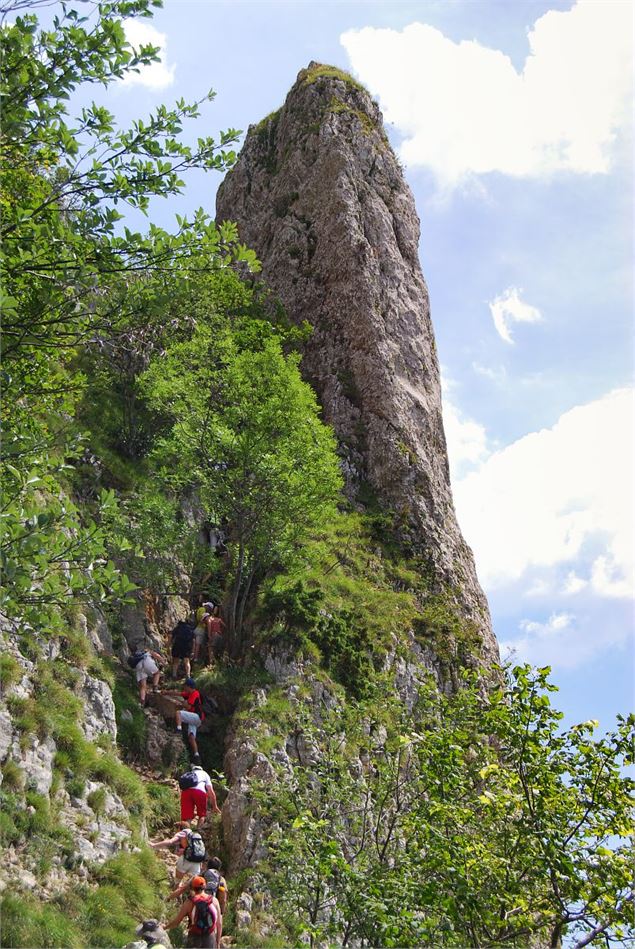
320, 196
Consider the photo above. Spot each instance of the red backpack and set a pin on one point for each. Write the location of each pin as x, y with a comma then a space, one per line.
204, 916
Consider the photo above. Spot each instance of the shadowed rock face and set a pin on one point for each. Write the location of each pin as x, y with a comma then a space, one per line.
319, 194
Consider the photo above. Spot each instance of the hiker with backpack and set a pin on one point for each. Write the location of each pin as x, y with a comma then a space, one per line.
200, 633
204, 918
215, 885
182, 642
189, 845
215, 881
196, 791
215, 627
193, 716
144, 662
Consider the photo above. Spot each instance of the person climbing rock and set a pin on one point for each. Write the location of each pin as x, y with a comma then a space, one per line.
193, 716
200, 633
215, 885
215, 627
182, 642
196, 791
189, 845
204, 918
144, 662
215, 882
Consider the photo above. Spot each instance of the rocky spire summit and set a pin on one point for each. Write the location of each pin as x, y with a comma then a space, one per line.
318, 193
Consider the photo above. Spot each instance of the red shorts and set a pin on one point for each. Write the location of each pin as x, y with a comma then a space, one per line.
193, 801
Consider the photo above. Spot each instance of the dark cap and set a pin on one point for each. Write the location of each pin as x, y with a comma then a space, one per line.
190, 682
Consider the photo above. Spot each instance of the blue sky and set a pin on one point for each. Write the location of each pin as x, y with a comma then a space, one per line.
512, 122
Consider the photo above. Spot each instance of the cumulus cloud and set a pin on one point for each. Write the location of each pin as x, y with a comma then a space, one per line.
466, 439
464, 109
574, 584
497, 375
508, 308
555, 642
155, 75
558, 498
567, 640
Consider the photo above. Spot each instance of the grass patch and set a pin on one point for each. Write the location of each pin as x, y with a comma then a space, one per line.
229, 675
441, 625
341, 604
54, 710
164, 811
131, 722
10, 672
338, 107
127, 891
31, 923
320, 71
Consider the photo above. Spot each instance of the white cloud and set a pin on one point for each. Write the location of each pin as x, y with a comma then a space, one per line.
498, 376
568, 641
508, 308
559, 498
574, 584
556, 642
556, 623
466, 439
464, 109
155, 75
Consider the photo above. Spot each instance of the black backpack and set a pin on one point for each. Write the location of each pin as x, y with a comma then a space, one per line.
195, 849
135, 659
188, 780
209, 705
183, 632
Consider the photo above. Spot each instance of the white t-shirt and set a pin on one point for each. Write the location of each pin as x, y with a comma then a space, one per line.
203, 778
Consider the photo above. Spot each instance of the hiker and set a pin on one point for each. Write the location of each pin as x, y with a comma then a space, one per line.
215, 885
182, 642
215, 881
196, 790
204, 918
144, 662
192, 716
189, 845
200, 633
153, 933
215, 627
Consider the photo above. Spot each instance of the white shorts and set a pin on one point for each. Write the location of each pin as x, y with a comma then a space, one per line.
200, 635
147, 667
192, 720
186, 866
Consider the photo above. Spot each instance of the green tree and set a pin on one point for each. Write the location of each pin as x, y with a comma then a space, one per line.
245, 436
477, 823
67, 264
